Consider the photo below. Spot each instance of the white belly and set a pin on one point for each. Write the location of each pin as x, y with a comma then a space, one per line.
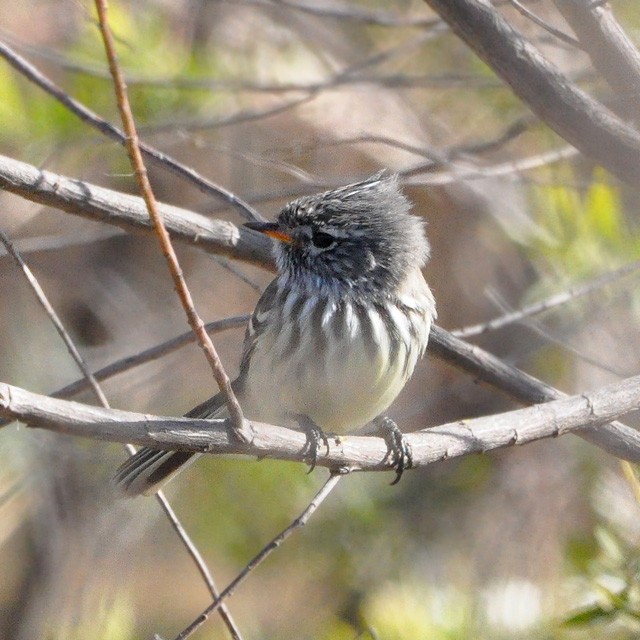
341, 381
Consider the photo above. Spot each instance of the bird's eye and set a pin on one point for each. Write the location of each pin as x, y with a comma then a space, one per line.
322, 240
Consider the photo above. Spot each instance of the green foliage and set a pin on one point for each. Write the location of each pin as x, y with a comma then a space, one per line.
586, 232
611, 586
147, 47
407, 611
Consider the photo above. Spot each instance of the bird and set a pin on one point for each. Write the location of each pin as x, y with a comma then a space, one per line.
336, 335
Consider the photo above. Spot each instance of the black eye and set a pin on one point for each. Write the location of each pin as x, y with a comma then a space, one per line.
322, 240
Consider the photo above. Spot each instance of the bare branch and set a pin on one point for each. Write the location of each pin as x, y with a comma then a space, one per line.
265, 552
616, 438
148, 355
549, 303
525, 11
55, 319
464, 172
351, 13
569, 111
200, 563
612, 52
92, 381
242, 430
353, 453
110, 131
153, 353
129, 212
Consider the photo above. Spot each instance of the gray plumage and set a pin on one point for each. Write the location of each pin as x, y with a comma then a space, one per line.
336, 335
374, 239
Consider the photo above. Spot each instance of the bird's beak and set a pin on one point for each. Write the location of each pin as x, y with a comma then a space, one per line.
271, 229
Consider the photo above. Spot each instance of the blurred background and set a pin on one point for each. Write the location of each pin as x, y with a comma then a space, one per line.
274, 99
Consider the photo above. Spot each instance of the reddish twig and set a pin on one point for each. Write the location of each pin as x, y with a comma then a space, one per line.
241, 428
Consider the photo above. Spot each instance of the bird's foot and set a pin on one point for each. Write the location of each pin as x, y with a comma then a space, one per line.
399, 451
316, 439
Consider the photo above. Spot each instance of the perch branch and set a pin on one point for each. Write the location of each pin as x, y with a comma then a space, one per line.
352, 453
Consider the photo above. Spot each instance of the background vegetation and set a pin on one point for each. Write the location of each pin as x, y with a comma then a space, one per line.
273, 99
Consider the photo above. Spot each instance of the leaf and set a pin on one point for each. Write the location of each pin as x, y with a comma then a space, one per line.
589, 616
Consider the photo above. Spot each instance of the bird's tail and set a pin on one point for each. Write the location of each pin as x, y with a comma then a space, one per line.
148, 470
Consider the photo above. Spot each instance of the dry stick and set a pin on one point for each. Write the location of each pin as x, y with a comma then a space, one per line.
537, 328
525, 11
298, 523
611, 50
110, 131
242, 429
153, 353
377, 18
548, 303
55, 319
577, 414
616, 438
92, 381
199, 562
471, 172
129, 212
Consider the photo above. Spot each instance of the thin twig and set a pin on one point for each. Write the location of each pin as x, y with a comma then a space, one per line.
92, 381
479, 172
127, 211
266, 551
525, 11
201, 565
549, 303
242, 429
581, 120
55, 319
351, 13
148, 355
110, 131
613, 53
87, 200
345, 77
153, 353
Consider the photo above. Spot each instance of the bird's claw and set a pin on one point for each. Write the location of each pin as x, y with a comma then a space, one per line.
399, 452
316, 438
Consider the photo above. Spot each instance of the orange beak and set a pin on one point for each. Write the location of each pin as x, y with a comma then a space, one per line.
271, 229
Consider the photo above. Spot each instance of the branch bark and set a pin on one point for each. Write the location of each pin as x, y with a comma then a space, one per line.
129, 212
569, 111
611, 51
354, 453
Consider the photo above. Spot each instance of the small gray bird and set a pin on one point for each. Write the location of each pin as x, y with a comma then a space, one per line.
337, 334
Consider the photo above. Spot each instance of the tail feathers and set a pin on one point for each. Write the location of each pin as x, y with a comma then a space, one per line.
149, 469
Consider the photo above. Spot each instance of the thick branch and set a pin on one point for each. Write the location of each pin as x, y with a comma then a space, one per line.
351, 452
616, 438
568, 110
129, 212
612, 52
